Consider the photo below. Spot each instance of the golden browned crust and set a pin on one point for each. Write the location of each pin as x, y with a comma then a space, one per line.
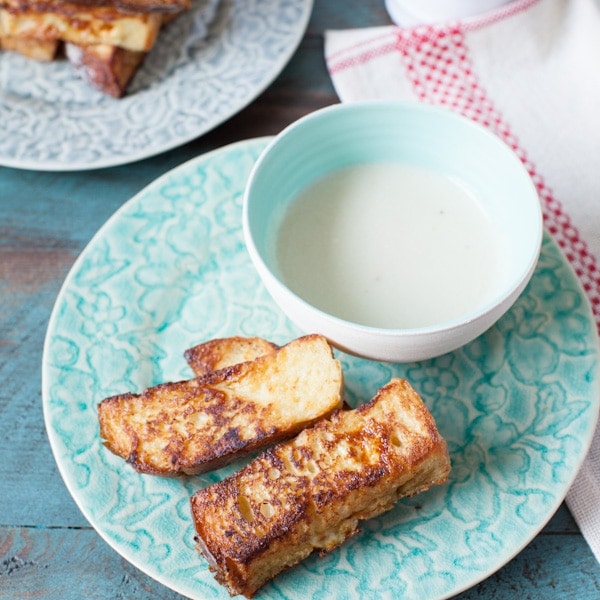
223, 352
201, 424
310, 493
81, 25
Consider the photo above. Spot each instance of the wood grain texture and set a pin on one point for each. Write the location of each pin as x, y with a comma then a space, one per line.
74, 563
40, 563
47, 548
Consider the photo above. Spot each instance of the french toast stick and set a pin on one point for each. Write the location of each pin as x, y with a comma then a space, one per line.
203, 423
219, 353
309, 494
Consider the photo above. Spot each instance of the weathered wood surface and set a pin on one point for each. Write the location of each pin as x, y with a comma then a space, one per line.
47, 548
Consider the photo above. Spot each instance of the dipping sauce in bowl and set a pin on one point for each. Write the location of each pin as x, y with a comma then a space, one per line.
400, 231
380, 243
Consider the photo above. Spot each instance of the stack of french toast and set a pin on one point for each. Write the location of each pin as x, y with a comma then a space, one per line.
319, 467
105, 40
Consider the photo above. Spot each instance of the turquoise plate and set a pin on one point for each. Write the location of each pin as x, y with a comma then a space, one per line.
517, 406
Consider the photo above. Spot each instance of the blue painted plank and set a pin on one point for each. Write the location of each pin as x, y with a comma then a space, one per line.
70, 564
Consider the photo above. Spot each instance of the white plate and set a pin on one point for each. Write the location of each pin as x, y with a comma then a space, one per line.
205, 67
518, 405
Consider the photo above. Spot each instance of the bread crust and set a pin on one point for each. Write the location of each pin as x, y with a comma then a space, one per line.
309, 494
219, 353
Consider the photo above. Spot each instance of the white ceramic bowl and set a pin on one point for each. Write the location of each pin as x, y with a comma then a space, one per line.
427, 138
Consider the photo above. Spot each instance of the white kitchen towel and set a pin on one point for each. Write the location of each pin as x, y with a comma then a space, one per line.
530, 72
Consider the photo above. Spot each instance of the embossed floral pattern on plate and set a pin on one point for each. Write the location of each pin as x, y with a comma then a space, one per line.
518, 405
205, 67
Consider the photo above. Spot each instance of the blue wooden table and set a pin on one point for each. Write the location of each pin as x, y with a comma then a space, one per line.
47, 548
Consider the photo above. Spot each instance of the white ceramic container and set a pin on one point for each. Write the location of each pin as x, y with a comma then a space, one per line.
423, 137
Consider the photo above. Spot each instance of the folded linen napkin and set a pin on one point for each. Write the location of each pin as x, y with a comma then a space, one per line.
530, 72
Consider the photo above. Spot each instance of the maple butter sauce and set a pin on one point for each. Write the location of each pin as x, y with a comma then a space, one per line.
389, 245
